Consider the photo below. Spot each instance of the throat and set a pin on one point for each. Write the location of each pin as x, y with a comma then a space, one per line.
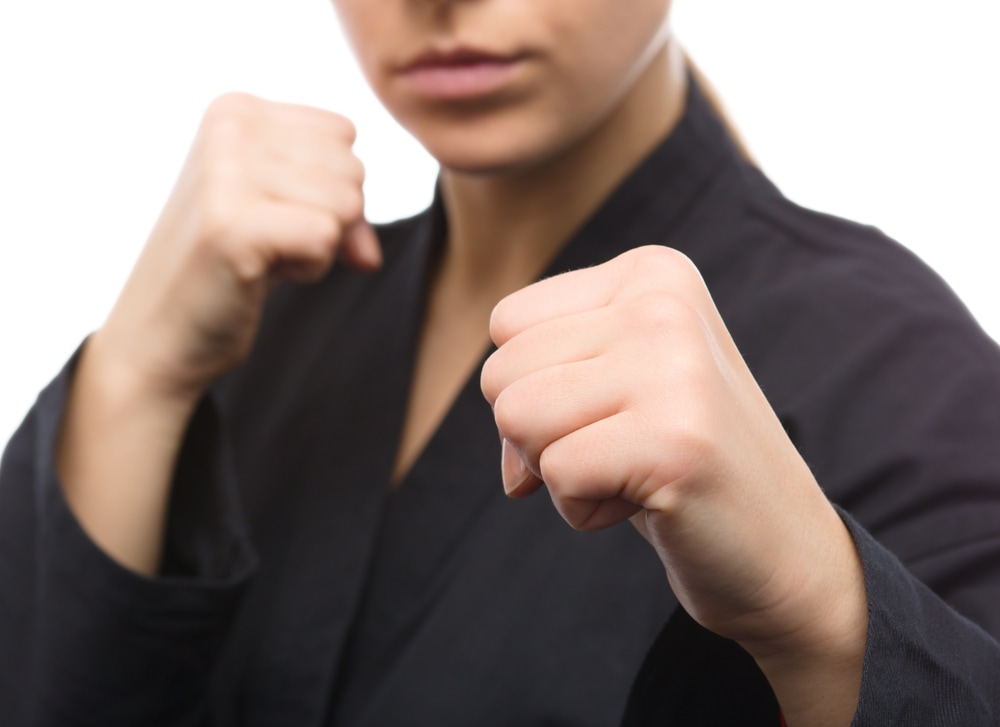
455, 337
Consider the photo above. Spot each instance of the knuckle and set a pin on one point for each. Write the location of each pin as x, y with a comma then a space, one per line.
217, 217
556, 466
647, 260
248, 267
323, 230
229, 109
695, 446
500, 322
645, 255
509, 410
675, 259
220, 171
221, 143
343, 127
356, 171
490, 379
679, 473
697, 373
223, 137
660, 312
693, 450
352, 202
663, 266
232, 102
658, 258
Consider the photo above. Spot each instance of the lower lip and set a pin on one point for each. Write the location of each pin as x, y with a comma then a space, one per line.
462, 81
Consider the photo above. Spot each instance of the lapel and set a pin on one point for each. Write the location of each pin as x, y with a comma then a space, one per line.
314, 417
654, 205
457, 476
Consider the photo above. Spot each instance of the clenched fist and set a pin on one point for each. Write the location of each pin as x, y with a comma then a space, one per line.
620, 390
269, 191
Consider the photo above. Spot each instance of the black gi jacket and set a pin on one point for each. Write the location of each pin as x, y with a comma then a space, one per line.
297, 591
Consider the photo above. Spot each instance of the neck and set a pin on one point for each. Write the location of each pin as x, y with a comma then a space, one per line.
505, 229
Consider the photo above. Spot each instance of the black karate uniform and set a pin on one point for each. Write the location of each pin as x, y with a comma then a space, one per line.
296, 590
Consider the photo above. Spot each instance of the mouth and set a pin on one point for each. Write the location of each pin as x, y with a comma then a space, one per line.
459, 74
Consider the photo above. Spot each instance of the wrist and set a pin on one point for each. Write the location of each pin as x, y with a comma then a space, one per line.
814, 667
130, 384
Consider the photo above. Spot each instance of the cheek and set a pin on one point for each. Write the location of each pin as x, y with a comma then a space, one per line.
365, 23
602, 47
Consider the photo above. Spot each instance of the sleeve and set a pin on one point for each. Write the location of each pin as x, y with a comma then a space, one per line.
924, 663
86, 641
897, 411
891, 392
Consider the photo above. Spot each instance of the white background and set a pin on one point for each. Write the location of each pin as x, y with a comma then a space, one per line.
885, 111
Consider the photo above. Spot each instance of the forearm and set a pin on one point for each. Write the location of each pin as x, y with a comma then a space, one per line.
115, 456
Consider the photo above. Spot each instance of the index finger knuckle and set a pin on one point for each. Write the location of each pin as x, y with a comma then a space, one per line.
502, 327
491, 378
342, 127
662, 266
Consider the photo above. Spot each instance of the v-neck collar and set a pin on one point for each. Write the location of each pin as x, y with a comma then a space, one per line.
316, 417
320, 498
457, 474
459, 468
644, 209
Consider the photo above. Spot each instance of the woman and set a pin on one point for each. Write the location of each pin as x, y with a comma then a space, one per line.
252, 503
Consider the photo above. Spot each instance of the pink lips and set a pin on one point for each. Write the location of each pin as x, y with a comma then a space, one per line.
459, 75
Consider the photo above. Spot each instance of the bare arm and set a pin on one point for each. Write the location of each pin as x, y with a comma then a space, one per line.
115, 457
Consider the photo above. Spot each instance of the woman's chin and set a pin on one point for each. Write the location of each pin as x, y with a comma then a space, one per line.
485, 156
478, 164
507, 137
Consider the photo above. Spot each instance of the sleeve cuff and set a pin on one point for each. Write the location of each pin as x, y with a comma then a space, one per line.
924, 663
207, 554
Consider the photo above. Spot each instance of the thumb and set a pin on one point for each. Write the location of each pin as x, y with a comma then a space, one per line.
360, 247
639, 522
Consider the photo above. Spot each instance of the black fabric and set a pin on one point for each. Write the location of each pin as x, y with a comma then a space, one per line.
297, 591
695, 678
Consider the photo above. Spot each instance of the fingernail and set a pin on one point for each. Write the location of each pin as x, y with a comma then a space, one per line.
513, 468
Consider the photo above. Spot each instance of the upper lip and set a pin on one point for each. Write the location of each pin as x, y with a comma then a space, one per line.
458, 56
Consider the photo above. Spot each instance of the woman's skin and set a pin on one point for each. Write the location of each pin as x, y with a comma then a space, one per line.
536, 109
